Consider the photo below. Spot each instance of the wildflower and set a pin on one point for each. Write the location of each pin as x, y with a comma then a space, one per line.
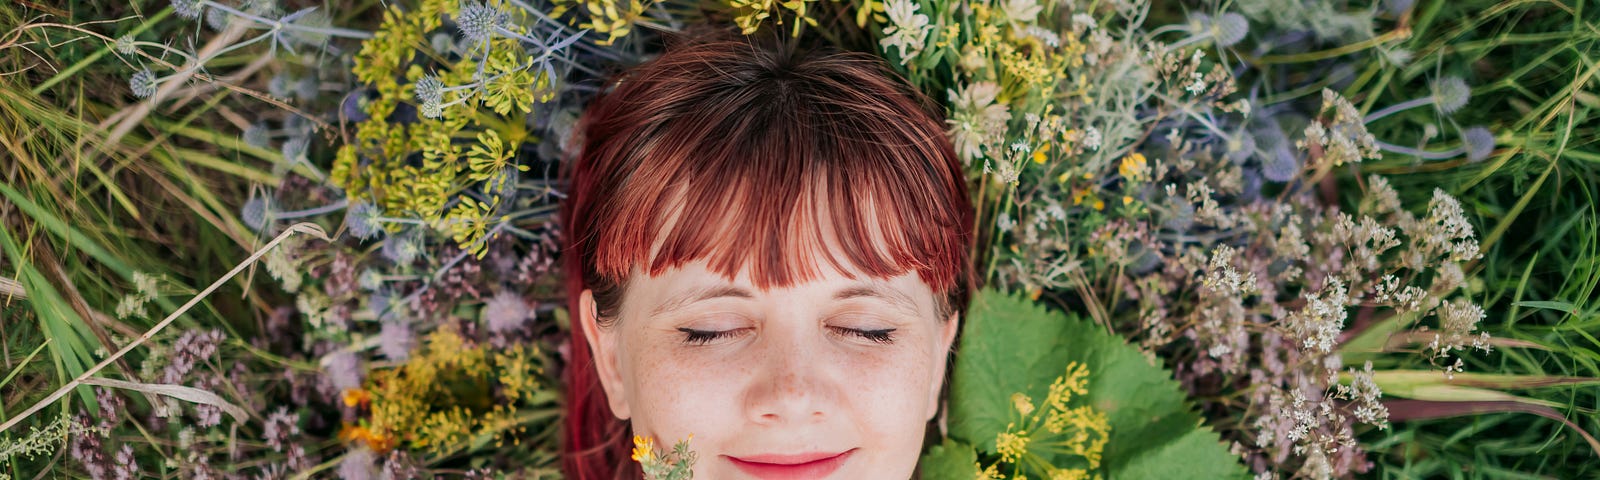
479, 22
977, 118
395, 339
643, 449
402, 248
1478, 142
1011, 446
358, 464
1134, 167
124, 44
505, 312
189, 9
430, 91
1020, 13
280, 427
1022, 403
126, 467
1450, 94
1363, 391
1226, 30
363, 220
906, 29
294, 150
143, 83
343, 370
1318, 324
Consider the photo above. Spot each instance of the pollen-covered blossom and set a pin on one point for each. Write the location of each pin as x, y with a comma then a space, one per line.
1011, 446
907, 29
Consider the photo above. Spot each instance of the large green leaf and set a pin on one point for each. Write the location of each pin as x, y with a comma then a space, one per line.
1012, 344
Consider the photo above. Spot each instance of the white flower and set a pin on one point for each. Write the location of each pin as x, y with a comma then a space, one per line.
976, 118
1021, 13
907, 29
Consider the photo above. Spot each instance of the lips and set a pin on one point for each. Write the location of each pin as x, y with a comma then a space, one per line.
786, 467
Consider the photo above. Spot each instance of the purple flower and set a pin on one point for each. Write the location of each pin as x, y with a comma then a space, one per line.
505, 312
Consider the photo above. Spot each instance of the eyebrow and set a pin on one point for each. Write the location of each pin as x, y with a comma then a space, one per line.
700, 294
867, 290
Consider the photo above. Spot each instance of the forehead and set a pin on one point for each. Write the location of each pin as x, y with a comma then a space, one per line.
680, 286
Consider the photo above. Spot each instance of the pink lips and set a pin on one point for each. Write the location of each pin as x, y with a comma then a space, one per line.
785, 467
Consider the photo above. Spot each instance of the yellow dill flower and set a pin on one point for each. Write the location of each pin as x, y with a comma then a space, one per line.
1011, 445
1069, 474
1074, 382
991, 473
1022, 403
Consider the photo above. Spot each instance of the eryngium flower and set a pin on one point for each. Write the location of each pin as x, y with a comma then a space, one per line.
1450, 94
143, 83
478, 22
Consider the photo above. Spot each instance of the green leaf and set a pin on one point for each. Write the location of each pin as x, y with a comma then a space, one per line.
950, 460
1011, 344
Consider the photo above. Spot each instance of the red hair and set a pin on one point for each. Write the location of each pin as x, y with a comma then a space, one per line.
730, 150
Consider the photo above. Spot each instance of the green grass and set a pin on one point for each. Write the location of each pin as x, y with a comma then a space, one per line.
85, 208
1534, 67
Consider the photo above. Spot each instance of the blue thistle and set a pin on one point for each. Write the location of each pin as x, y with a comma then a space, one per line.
143, 83
479, 22
362, 220
189, 9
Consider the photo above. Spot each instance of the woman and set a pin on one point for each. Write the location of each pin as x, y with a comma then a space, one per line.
766, 249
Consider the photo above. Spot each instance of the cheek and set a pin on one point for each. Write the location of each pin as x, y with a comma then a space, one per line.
874, 397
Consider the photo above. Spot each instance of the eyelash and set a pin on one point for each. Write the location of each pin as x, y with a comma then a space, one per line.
703, 337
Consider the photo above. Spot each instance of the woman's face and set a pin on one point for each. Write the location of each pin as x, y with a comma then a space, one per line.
836, 378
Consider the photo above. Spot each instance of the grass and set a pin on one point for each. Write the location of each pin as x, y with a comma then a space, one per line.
1533, 67
86, 206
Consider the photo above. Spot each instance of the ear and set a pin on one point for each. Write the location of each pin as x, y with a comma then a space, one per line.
947, 338
603, 347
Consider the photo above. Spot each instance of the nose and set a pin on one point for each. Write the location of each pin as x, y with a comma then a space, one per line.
791, 384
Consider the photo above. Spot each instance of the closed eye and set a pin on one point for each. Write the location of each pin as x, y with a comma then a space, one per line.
881, 336
703, 337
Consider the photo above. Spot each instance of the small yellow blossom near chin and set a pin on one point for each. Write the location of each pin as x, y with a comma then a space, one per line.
643, 449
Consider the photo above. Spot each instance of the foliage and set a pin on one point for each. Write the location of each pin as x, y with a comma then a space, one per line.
1102, 398
675, 464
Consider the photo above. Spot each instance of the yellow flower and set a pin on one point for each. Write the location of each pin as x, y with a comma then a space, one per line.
1134, 167
1039, 155
991, 473
643, 449
1022, 403
1011, 445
